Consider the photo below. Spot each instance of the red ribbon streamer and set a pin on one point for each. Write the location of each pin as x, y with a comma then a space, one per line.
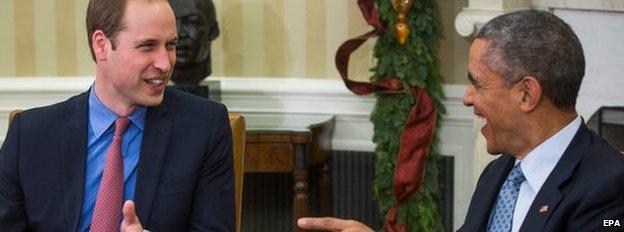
419, 128
416, 141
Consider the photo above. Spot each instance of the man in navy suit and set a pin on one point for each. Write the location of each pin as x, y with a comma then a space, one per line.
525, 71
174, 157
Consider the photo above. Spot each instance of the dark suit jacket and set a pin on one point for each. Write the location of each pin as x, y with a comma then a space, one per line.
185, 175
585, 187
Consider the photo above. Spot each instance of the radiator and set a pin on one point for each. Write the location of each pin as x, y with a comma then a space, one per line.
353, 174
267, 201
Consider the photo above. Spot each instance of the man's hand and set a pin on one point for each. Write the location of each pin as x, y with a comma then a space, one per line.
130, 221
332, 224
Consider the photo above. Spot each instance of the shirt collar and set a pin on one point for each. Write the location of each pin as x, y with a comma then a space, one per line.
540, 162
100, 117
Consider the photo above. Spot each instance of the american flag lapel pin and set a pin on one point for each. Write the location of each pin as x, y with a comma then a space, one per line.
543, 209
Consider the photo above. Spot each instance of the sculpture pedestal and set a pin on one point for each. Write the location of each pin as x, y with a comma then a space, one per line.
210, 89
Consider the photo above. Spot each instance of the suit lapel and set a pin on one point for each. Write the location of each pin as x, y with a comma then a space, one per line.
153, 151
487, 192
73, 159
550, 194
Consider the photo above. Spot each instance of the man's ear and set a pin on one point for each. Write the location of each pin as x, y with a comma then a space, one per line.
100, 45
531, 91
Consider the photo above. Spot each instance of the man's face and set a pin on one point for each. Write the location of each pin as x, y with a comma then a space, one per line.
193, 27
137, 71
493, 101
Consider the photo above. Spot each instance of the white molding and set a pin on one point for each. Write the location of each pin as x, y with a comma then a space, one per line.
289, 96
297, 96
21, 85
292, 95
469, 21
29, 92
479, 12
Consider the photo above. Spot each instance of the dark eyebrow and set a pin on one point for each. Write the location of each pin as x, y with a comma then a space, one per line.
471, 78
140, 42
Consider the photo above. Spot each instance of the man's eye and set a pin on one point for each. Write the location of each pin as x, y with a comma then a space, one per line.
146, 47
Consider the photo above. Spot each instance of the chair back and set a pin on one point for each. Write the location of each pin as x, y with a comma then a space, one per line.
12, 114
237, 122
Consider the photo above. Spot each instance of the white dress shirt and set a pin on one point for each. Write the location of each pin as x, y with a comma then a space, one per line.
538, 165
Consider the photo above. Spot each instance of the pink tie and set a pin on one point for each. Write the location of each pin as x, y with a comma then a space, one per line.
107, 212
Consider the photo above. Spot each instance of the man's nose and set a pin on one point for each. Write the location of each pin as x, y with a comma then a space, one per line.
163, 60
468, 95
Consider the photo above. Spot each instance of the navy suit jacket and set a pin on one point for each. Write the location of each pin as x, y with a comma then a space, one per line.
185, 175
585, 188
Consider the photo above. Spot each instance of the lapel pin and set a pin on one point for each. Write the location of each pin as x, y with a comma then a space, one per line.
543, 209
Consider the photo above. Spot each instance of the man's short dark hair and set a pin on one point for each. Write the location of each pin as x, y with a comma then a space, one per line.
105, 15
539, 44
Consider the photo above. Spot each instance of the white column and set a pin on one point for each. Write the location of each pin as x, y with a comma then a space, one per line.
478, 12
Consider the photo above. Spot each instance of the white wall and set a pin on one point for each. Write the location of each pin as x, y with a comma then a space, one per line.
601, 33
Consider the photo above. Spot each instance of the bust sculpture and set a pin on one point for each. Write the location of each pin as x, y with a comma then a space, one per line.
197, 28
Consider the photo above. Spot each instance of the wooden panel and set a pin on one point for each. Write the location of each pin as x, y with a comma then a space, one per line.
268, 157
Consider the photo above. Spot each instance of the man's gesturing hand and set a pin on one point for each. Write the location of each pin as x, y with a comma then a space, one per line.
332, 224
130, 221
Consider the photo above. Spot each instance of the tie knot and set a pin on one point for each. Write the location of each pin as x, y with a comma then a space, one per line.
516, 176
121, 124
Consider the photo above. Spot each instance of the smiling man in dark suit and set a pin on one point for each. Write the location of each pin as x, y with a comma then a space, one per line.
525, 71
70, 166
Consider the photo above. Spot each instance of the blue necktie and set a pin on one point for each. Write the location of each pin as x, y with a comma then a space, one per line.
502, 215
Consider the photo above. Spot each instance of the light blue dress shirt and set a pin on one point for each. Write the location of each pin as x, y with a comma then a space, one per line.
100, 135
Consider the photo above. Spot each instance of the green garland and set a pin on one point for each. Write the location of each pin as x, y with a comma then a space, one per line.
414, 63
